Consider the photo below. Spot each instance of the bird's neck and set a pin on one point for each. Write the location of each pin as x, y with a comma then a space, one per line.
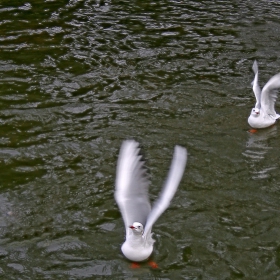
136, 238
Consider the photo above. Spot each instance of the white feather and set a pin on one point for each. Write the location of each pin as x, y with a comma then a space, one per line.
256, 87
131, 194
172, 182
263, 114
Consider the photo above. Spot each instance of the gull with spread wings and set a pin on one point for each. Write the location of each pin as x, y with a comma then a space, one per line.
264, 115
131, 194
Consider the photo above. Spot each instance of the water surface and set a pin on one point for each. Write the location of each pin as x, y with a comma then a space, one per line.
79, 77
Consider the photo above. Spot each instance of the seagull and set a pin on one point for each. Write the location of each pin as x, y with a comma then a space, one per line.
131, 195
264, 115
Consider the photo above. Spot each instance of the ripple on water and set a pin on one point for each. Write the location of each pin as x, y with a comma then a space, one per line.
79, 77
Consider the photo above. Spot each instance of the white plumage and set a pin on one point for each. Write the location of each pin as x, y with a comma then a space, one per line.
131, 194
264, 115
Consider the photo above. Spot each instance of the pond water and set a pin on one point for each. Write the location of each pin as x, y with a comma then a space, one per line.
79, 77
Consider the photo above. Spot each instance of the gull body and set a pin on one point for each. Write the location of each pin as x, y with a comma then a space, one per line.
263, 114
131, 194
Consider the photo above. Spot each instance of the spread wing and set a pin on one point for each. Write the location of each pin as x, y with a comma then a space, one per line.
132, 183
255, 84
172, 182
269, 95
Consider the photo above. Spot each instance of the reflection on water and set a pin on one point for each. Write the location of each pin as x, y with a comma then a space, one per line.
258, 146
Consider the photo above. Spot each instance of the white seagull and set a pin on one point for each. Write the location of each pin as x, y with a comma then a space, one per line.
131, 194
264, 115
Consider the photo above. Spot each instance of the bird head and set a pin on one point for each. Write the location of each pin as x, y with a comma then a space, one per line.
255, 112
137, 228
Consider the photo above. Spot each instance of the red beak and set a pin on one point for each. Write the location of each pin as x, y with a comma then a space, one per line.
132, 227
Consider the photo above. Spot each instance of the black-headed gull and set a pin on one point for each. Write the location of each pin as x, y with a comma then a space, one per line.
264, 115
131, 194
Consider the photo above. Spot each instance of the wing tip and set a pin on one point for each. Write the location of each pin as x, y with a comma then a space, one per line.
129, 148
131, 158
255, 66
181, 152
129, 144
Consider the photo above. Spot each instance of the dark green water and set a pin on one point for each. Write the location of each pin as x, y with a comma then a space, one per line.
79, 77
